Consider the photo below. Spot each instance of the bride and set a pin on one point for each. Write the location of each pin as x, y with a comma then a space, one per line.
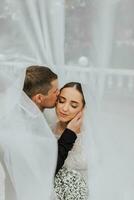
71, 181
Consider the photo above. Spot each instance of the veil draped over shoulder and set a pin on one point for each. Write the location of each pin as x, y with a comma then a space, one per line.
87, 41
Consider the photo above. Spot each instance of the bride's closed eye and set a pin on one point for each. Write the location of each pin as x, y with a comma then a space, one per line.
74, 105
61, 99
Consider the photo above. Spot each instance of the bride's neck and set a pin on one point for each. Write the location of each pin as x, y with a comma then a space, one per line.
61, 126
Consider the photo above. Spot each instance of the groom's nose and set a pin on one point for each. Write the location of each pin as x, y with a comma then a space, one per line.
57, 93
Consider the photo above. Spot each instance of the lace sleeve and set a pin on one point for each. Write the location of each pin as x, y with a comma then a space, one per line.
76, 158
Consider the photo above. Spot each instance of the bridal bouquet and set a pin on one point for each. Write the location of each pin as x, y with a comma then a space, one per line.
70, 185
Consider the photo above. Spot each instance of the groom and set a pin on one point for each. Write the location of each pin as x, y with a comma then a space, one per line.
41, 85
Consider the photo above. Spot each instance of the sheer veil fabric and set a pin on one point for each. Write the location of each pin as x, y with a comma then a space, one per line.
26, 141
2, 181
28, 149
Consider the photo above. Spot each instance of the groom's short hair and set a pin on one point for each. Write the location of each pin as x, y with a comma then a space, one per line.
38, 80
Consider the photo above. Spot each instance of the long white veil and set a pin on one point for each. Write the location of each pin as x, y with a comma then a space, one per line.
86, 41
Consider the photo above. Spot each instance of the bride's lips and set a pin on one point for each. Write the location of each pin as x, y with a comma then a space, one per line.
63, 114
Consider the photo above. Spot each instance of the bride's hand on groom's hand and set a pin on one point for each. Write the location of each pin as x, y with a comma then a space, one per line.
75, 123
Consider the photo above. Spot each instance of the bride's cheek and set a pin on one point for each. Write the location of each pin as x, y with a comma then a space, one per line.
78, 110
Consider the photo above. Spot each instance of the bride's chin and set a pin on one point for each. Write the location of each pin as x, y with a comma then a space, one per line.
62, 119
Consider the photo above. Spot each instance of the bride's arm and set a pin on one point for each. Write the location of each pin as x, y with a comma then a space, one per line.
67, 139
65, 144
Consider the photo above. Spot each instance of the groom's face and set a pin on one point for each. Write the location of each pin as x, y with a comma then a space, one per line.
51, 98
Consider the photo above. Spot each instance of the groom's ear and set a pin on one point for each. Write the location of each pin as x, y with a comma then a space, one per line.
38, 98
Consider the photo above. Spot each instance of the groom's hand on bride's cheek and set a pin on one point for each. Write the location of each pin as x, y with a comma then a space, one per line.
75, 123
